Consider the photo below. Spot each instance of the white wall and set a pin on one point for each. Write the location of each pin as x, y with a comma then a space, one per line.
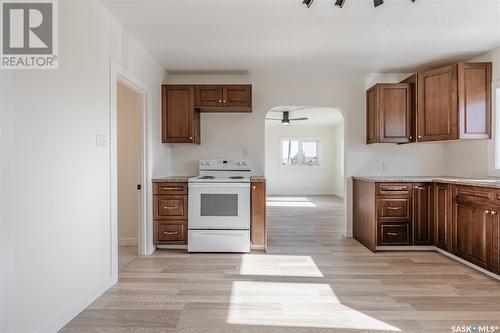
55, 192
129, 104
338, 160
301, 180
470, 158
227, 135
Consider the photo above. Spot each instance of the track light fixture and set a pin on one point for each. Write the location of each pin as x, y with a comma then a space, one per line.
339, 3
308, 3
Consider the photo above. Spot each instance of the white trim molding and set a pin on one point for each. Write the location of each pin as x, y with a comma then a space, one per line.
494, 144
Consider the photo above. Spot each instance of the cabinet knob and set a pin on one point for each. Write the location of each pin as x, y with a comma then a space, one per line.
410, 137
220, 100
493, 212
420, 137
487, 211
224, 101
190, 138
254, 187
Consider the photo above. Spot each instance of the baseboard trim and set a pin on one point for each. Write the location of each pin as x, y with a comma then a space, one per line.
437, 249
482, 270
257, 247
128, 242
64, 317
406, 248
171, 247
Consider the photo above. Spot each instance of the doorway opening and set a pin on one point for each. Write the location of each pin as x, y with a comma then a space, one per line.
304, 168
128, 119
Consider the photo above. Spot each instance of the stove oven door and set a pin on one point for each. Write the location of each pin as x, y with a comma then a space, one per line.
220, 206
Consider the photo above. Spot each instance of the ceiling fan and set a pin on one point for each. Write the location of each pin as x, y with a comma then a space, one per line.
286, 118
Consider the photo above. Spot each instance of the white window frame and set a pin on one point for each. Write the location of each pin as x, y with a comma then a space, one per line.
494, 145
300, 139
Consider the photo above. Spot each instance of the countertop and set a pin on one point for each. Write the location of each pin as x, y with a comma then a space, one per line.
184, 179
484, 182
172, 179
258, 179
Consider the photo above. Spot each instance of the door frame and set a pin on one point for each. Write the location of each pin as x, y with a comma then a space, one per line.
119, 73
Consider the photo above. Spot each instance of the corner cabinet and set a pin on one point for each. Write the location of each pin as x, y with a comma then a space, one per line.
180, 120
388, 113
447, 103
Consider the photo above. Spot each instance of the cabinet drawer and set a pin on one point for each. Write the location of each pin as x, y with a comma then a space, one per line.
171, 233
170, 207
393, 234
474, 194
496, 197
170, 188
393, 188
392, 208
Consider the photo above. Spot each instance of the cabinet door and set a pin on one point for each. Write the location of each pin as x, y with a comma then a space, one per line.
237, 96
180, 122
208, 96
422, 223
258, 223
473, 232
495, 246
412, 81
442, 207
437, 104
474, 100
371, 116
394, 112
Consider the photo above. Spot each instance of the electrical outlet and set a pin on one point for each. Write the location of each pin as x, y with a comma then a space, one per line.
100, 141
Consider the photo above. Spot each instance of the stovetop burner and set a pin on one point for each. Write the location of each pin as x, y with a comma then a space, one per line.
207, 177
236, 177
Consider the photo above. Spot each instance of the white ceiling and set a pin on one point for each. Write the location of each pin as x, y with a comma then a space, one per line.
317, 116
247, 35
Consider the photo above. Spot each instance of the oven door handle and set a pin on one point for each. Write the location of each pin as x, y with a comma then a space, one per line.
219, 185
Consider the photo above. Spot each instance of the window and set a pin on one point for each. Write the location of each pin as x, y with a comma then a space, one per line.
296, 152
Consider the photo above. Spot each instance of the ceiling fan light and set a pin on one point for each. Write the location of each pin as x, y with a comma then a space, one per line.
377, 3
339, 3
308, 3
285, 122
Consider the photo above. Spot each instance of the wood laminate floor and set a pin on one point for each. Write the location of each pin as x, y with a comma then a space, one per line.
311, 280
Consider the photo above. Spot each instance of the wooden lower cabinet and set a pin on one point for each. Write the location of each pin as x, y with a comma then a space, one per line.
473, 232
442, 215
394, 234
258, 234
170, 213
495, 238
422, 221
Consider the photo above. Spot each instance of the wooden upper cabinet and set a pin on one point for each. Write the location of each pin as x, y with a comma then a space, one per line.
437, 104
474, 100
224, 98
237, 96
389, 113
208, 96
180, 121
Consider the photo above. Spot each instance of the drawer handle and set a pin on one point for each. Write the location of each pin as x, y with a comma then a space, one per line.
176, 188
393, 233
393, 188
170, 232
394, 208
169, 207
419, 188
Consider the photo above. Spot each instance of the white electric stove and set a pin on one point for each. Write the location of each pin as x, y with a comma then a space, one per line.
219, 207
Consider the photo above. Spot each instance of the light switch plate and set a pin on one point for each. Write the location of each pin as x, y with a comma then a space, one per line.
100, 141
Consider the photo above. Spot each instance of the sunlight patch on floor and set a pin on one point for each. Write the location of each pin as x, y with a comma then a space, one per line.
279, 265
295, 305
289, 202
